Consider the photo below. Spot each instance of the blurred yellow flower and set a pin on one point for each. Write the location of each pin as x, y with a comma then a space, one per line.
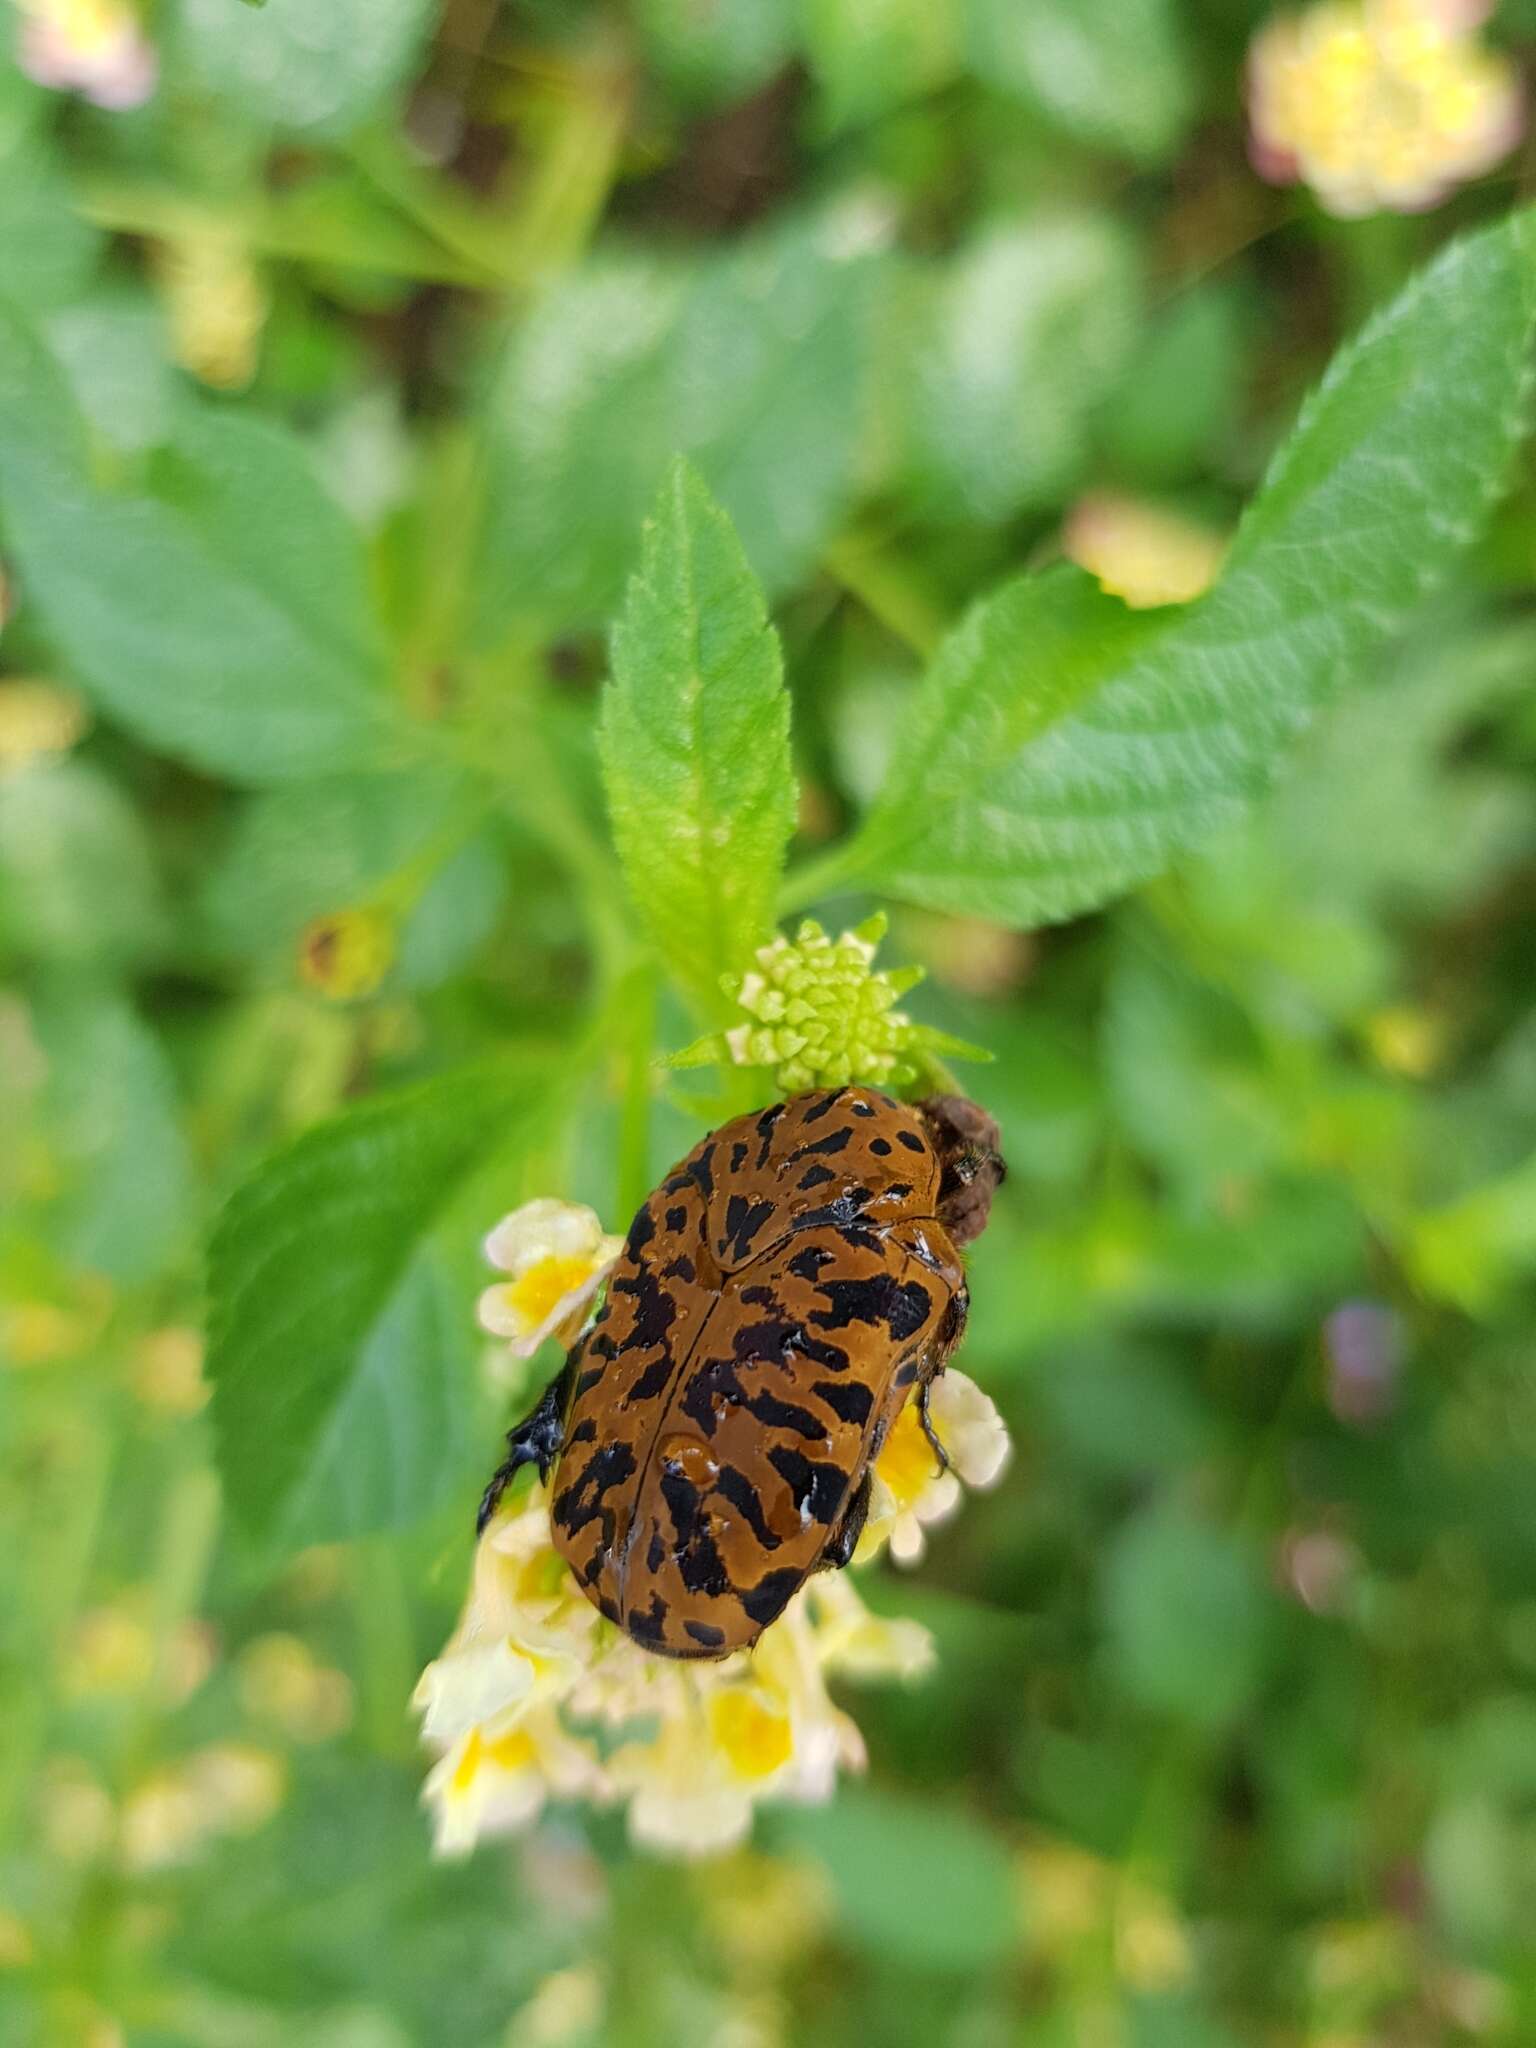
112, 1650
94, 47
556, 1256
536, 1696
346, 954
1141, 552
566, 2007
218, 306
1380, 105
16, 1945
37, 719
167, 1371
285, 1686
238, 1786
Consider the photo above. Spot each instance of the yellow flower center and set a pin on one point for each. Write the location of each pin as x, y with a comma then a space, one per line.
908, 1463
539, 1292
754, 1739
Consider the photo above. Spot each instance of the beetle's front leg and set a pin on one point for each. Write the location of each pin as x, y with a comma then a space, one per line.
926, 1419
845, 1540
536, 1440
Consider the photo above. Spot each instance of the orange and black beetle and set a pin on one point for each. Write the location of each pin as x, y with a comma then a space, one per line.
778, 1297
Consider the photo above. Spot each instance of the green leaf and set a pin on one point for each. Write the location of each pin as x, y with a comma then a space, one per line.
871, 55
342, 1371
720, 52
123, 1195
695, 742
752, 364
1185, 1616
223, 615
1064, 749
929, 1886
1029, 330
295, 65
77, 882
1110, 72
47, 253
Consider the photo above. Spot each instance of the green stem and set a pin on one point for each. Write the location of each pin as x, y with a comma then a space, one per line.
825, 874
889, 589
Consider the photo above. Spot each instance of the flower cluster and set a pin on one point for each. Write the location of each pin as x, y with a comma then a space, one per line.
345, 955
1380, 105
94, 47
1142, 553
821, 1015
537, 1697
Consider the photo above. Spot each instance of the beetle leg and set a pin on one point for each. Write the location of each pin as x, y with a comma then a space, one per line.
535, 1441
926, 1420
845, 1541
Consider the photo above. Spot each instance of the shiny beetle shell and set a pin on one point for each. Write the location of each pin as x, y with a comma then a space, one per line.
779, 1296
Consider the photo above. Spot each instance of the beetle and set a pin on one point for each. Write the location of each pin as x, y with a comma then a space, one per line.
779, 1297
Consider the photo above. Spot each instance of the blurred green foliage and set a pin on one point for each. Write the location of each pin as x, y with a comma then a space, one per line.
336, 382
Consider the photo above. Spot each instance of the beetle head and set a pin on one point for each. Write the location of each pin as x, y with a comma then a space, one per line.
967, 1141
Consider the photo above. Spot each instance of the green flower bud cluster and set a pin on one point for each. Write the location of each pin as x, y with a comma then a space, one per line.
821, 1014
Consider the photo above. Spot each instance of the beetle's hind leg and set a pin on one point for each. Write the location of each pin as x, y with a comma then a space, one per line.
924, 1392
950, 1332
845, 1540
536, 1440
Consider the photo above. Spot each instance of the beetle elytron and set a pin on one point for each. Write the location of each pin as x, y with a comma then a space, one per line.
778, 1298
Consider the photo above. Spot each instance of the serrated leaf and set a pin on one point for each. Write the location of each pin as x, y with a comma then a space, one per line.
222, 616
1064, 749
1112, 72
695, 743
331, 1352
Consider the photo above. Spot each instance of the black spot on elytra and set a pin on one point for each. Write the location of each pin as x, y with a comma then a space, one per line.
701, 1567
863, 1109
583, 1433
652, 1381
779, 1340
681, 1268
823, 1108
766, 1124
712, 1388
767, 1600
602, 1343
849, 1400
705, 1633
656, 1553
912, 1141
816, 1177
881, 1147
655, 1309
834, 1141
739, 1155
759, 1296
642, 1230
738, 1489
902, 1306
608, 1608
779, 1414
589, 1380
743, 1221
676, 1218
698, 1171
581, 1501
818, 1489
805, 1265
646, 1625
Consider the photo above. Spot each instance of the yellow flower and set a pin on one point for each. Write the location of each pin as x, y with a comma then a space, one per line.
1140, 552
93, 47
1380, 104
911, 1489
284, 1685
556, 1256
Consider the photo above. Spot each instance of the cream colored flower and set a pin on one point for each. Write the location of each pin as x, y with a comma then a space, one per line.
94, 47
1380, 104
38, 719
218, 305
1142, 552
911, 1490
556, 1256
537, 1697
